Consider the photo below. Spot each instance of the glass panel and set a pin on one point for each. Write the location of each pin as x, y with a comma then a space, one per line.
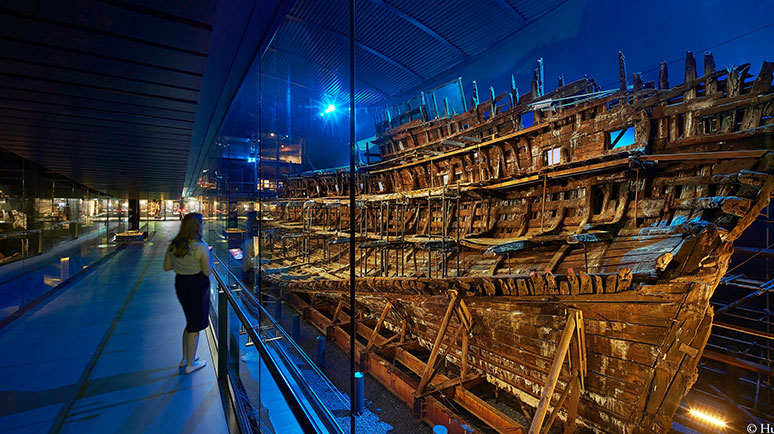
13, 241
49, 232
261, 398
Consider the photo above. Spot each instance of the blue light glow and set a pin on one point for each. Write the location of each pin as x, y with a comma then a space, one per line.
251, 159
331, 108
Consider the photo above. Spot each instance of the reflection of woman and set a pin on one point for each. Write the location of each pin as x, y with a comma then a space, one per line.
189, 256
248, 255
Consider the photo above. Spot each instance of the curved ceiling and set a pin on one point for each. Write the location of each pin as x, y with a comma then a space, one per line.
399, 43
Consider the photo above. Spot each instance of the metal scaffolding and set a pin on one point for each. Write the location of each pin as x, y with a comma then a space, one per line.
735, 375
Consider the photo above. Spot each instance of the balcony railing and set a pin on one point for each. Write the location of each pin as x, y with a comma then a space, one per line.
243, 328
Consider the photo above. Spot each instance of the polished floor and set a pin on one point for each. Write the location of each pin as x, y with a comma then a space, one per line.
103, 356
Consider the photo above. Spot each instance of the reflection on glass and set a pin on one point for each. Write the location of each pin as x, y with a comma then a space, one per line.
51, 228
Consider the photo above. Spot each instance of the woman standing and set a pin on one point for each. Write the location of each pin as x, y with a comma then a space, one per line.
189, 256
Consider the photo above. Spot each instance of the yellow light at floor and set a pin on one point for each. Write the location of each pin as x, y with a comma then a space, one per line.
707, 418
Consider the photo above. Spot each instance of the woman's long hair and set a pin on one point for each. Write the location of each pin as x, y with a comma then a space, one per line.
190, 230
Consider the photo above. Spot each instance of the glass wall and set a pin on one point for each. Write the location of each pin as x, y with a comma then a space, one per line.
450, 67
272, 124
51, 228
293, 107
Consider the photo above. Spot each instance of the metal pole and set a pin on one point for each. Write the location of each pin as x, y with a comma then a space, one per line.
222, 338
359, 392
443, 231
107, 223
259, 176
459, 249
352, 313
768, 307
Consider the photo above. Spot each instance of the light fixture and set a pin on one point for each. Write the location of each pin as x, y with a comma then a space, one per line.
707, 418
331, 108
251, 159
271, 134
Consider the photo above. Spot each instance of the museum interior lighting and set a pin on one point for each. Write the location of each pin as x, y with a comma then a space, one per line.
707, 418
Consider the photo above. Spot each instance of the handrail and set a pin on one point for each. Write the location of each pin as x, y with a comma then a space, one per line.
285, 335
294, 401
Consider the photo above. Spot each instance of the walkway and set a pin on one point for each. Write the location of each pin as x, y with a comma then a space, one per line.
102, 356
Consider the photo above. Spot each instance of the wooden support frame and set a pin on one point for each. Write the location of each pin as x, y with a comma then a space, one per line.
430, 368
433, 368
433, 412
378, 327
573, 331
337, 311
403, 328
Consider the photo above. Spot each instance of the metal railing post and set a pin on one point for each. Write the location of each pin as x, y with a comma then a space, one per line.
311, 414
222, 336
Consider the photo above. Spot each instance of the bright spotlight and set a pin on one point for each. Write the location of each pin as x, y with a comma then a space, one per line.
331, 108
707, 418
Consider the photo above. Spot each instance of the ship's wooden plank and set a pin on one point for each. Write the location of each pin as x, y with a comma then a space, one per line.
524, 379
529, 355
527, 388
487, 413
548, 327
626, 370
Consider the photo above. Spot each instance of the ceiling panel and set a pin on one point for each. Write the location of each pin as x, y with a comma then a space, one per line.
104, 91
399, 45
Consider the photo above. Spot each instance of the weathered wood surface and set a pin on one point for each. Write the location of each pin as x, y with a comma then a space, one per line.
637, 236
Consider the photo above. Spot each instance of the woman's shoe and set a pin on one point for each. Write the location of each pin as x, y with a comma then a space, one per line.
182, 362
195, 367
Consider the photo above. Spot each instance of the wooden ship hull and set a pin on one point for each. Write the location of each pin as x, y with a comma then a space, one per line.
546, 261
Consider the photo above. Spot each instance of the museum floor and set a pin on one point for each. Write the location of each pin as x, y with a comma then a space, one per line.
102, 356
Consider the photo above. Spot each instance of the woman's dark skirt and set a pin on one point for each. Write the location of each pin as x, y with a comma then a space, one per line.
194, 295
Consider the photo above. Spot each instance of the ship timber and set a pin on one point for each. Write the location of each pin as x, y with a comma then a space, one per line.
482, 240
